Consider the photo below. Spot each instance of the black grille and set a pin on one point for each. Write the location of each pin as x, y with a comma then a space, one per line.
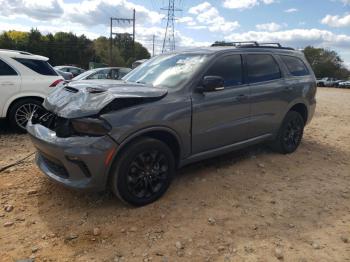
60, 125
54, 166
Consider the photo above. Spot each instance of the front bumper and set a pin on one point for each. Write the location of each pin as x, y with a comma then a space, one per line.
76, 162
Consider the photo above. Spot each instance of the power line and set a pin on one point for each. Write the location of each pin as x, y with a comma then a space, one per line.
119, 20
169, 36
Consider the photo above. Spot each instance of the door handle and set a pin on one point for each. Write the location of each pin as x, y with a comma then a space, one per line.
288, 88
242, 97
7, 84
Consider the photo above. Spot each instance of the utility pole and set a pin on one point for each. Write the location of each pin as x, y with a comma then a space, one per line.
120, 21
169, 36
153, 38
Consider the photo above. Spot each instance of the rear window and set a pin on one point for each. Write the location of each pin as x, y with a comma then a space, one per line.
295, 65
262, 68
6, 70
39, 66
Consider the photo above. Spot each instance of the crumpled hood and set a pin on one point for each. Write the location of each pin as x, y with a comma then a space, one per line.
86, 98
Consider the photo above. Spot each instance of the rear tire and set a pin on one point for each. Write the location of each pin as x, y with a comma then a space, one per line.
142, 172
290, 133
21, 111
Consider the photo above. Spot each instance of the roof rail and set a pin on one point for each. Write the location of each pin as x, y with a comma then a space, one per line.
16, 51
242, 43
251, 44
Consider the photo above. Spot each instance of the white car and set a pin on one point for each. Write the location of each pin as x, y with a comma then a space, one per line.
344, 84
25, 80
112, 73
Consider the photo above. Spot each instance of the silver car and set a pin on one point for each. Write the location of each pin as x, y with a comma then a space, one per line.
172, 110
113, 73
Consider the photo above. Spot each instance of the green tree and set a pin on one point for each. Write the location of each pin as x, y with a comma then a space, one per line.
326, 63
64, 48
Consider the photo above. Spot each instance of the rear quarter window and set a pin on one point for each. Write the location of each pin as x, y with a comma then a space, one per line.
6, 70
262, 67
39, 66
295, 65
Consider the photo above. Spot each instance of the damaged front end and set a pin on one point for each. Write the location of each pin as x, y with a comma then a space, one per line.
72, 139
75, 109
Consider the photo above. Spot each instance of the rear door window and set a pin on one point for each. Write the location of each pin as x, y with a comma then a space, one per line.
6, 70
295, 65
261, 68
229, 68
39, 66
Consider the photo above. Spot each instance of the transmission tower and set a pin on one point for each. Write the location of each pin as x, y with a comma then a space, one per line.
169, 36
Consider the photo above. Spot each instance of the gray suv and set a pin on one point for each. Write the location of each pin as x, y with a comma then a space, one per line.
174, 109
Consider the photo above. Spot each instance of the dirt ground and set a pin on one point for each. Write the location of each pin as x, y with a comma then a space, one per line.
251, 205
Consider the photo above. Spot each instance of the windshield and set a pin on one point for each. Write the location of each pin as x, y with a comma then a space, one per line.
83, 75
167, 70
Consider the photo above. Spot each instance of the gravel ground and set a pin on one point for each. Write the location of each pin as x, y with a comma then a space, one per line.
250, 205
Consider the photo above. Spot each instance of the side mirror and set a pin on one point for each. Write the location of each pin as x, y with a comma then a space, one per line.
212, 84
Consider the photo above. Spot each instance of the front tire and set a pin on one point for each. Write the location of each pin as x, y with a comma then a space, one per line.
21, 111
143, 171
290, 133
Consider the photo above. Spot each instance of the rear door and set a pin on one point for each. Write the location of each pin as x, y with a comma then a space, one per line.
10, 84
221, 118
268, 94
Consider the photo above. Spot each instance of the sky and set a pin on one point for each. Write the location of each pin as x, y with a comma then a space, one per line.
295, 23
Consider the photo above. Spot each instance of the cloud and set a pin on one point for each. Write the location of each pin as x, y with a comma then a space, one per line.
208, 15
336, 21
45, 29
296, 38
187, 20
291, 10
245, 4
87, 12
39, 9
269, 27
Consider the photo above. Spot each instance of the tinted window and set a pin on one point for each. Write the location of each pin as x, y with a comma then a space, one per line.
123, 72
39, 66
295, 66
6, 70
101, 74
262, 68
229, 68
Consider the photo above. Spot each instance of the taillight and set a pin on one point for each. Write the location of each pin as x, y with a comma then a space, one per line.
56, 82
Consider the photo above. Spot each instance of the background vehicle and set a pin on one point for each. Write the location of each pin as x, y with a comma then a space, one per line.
103, 73
65, 75
344, 84
25, 80
137, 63
327, 82
71, 69
170, 111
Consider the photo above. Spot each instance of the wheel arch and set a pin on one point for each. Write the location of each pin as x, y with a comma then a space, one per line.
164, 134
7, 108
302, 109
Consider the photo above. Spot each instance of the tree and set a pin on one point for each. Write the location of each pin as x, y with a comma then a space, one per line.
101, 47
67, 48
326, 63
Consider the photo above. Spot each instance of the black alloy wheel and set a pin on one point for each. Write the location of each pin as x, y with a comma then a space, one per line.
147, 174
142, 172
290, 133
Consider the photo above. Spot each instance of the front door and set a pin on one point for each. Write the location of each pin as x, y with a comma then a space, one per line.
221, 118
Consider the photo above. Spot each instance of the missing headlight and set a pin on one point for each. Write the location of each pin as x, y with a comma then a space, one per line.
91, 126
